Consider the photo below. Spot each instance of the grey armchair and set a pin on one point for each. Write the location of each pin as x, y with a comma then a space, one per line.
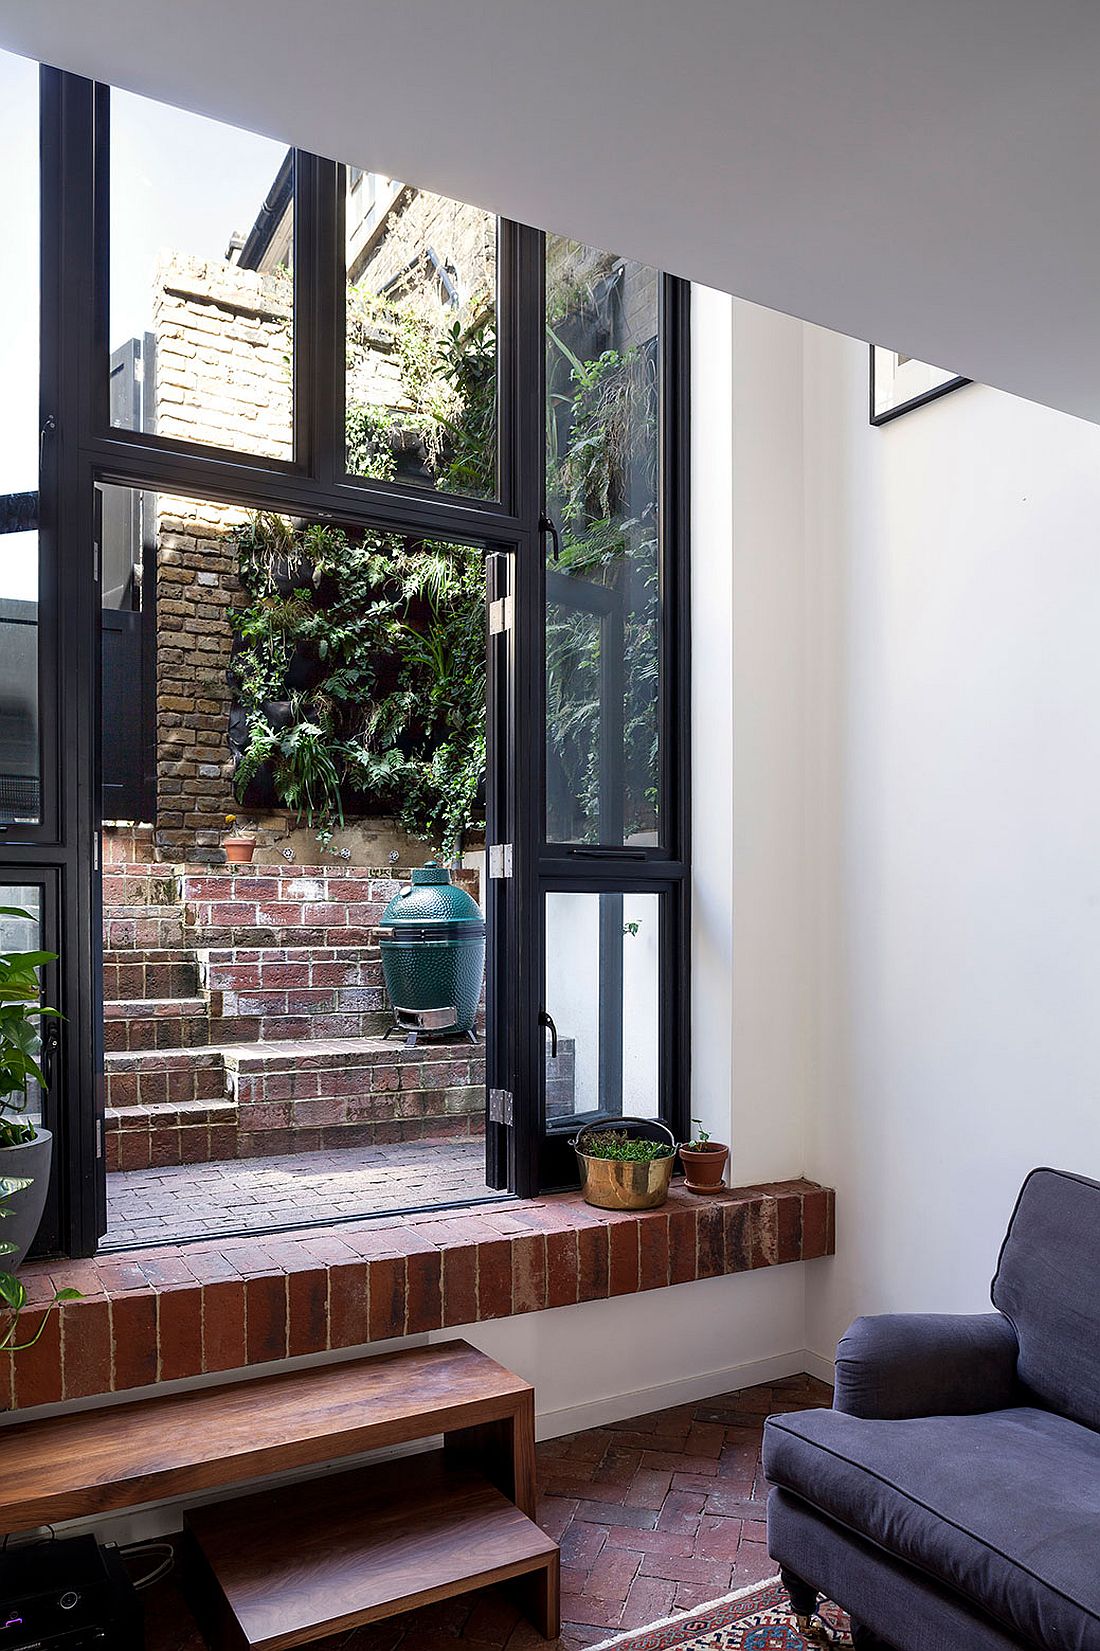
950, 1500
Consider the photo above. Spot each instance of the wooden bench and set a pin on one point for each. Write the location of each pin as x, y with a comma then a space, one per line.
284, 1567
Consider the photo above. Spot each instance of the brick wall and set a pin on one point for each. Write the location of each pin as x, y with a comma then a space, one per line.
223, 376
224, 356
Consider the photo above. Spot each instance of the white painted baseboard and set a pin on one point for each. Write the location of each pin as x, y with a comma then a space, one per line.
816, 1364
619, 1407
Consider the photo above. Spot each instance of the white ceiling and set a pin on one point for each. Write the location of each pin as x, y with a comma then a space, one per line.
922, 172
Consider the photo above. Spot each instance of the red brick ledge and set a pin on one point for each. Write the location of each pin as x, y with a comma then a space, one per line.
164, 1314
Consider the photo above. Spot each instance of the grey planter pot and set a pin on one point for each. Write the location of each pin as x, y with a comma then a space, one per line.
31, 1161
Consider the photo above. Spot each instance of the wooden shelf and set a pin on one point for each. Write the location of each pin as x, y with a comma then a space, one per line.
92, 1461
281, 1569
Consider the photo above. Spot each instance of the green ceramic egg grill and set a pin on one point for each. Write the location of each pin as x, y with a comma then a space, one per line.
432, 940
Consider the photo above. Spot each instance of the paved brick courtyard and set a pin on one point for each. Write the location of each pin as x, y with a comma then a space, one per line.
654, 1515
246, 1194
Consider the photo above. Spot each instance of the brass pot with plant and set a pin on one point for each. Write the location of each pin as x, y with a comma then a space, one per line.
625, 1167
704, 1161
239, 844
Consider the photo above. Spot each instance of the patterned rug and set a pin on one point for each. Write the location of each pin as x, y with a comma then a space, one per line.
756, 1619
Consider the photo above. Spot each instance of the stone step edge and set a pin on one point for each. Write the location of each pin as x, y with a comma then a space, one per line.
157, 1111
366, 1051
154, 1008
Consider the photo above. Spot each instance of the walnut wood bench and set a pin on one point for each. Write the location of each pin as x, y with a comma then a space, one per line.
281, 1568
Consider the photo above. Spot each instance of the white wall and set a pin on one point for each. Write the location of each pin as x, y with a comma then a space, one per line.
953, 716
751, 975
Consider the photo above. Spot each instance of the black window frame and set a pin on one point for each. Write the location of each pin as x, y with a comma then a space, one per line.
81, 449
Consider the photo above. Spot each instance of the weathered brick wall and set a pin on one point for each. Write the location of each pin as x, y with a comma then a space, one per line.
224, 356
197, 585
223, 376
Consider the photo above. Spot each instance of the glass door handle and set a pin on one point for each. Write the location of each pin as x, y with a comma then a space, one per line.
547, 526
548, 1022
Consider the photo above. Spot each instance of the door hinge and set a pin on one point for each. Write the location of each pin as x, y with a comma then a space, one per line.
502, 1106
500, 860
99, 1138
500, 615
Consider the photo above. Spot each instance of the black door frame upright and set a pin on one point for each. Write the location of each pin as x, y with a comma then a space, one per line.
81, 449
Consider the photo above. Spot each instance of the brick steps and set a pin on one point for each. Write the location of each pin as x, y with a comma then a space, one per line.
243, 1018
153, 972
187, 1132
131, 928
289, 1096
296, 992
156, 1023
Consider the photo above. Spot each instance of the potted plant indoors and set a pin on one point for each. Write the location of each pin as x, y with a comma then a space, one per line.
239, 844
704, 1161
627, 1167
25, 1148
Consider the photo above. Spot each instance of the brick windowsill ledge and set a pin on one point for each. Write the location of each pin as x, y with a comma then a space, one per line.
164, 1314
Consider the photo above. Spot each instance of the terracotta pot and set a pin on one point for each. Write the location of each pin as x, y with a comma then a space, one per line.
239, 850
704, 1166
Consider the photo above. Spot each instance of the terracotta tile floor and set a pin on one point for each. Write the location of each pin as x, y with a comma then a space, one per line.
654, 1515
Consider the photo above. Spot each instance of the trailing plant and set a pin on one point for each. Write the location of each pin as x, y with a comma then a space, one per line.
623, 1148
445, 399
13, 1292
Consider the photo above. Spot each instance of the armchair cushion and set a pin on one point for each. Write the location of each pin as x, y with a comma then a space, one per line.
1002, 1508
1046, 1284
932, 1364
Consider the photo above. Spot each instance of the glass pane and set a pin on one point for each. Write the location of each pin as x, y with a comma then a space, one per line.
201, 312
603, 614
602, 970
19, 425
421, 388
23, 934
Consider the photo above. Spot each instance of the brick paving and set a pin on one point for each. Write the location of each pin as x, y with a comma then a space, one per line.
256, 1194
654, 1515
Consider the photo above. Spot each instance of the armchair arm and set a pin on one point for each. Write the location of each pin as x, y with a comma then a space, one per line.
929, 1364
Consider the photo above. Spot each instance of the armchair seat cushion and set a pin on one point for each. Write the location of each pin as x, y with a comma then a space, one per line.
1004, 1506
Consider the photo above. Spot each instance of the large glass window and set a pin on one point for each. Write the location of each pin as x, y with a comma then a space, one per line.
201, 287
602, 1022
19, 443
421, 344
306, 461
603, 597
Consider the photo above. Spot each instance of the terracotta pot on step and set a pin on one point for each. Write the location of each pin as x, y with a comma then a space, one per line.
704, 1166
239, 850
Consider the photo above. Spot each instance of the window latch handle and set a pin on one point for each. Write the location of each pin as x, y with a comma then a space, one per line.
548, 1021
51, 1041
547, 526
